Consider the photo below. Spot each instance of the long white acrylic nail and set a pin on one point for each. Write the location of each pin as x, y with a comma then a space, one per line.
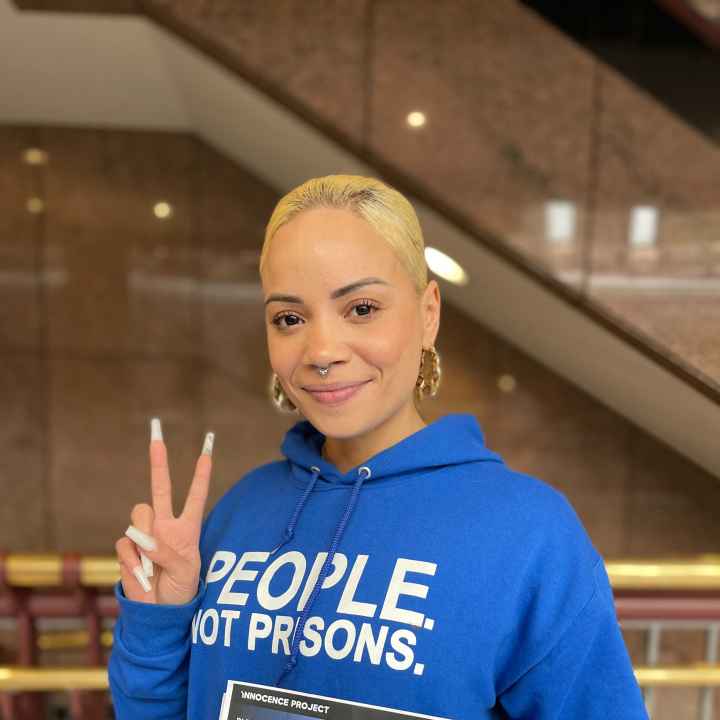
145, 541
208, 444
140, 575
147, 565
155, 429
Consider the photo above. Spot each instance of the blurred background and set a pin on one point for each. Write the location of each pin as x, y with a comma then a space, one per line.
564, 161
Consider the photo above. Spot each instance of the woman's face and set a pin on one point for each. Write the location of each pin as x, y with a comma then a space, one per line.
372, 333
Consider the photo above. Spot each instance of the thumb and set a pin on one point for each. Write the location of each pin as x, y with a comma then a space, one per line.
155, 550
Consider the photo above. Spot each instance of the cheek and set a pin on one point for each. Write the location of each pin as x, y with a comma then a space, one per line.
395, 347
281, 356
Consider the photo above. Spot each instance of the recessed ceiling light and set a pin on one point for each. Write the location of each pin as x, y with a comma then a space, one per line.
416, 119
163, 210
35, 205
35, 156
444, 266
507, 383
560, 222
643, 226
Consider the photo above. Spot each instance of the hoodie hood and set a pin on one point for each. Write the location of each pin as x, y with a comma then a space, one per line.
453, 439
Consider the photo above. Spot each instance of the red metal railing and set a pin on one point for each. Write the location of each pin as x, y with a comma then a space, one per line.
652, 594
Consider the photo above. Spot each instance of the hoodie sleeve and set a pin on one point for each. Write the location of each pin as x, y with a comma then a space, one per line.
148, 666
149, 662
586, 674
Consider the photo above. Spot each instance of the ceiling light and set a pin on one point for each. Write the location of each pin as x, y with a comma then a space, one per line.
507, 383
35, 156
35, 205
163, 210
643, 226
560, 222
416, 119
444, 266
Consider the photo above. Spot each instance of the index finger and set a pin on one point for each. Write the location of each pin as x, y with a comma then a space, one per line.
159, 472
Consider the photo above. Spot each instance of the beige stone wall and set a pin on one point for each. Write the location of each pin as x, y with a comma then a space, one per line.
109, 316
517, 115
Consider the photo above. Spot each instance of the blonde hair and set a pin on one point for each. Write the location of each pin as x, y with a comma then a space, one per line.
384, 208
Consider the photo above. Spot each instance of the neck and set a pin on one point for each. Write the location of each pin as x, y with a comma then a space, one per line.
347, 453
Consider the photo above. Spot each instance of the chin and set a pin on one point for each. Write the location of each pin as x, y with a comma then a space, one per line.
340, 426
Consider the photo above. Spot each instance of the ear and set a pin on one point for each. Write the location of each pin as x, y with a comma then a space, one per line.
430, 308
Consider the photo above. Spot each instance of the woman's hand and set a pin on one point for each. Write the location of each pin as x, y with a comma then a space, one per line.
176, 557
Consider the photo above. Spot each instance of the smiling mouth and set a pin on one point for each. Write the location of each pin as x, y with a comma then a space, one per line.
334, 397
332, 386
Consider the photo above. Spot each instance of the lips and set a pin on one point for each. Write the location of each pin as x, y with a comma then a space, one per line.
337, 395
324, 387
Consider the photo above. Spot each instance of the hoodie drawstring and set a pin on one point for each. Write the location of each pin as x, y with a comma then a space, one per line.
363, 474
290, 529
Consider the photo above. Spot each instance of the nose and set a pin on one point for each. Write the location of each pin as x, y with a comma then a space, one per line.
323, 345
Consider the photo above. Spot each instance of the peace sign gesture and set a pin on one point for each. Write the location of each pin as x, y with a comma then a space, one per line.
170, 544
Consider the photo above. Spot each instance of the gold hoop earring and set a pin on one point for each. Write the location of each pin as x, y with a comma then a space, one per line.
426, 385
279, 399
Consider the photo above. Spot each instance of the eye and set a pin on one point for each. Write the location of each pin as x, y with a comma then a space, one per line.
368, 304
362, 303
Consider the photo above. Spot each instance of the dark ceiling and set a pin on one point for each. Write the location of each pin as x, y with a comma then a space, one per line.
652, 47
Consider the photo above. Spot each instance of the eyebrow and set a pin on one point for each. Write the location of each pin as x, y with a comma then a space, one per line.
334, 294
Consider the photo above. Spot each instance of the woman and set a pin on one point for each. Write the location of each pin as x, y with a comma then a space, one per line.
385, 560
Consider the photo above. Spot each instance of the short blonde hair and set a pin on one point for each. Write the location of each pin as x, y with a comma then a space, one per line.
387, 210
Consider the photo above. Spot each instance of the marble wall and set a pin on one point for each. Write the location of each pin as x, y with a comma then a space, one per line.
109, 315
516, 116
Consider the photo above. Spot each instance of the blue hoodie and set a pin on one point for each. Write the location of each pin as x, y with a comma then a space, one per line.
432, 579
